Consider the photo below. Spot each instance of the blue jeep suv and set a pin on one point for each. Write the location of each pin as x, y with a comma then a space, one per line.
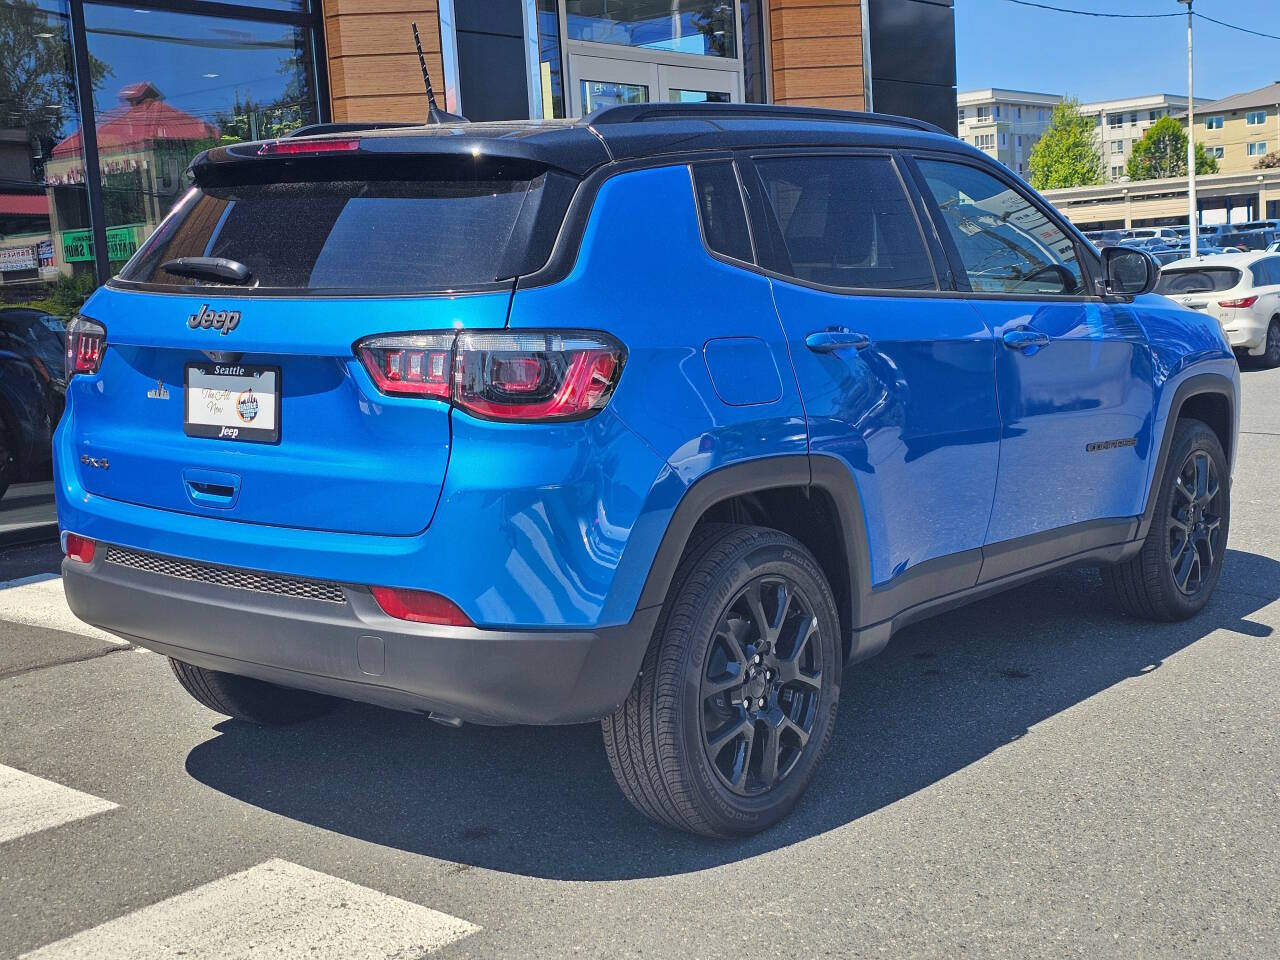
660, 418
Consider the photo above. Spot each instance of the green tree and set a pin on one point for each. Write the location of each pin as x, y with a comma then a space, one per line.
37, 86
1162, 152
1067, 155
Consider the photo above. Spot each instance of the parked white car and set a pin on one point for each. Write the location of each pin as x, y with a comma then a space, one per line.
1242, 290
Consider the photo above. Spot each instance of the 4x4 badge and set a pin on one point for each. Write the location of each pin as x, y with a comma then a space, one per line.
223, 320
161, 392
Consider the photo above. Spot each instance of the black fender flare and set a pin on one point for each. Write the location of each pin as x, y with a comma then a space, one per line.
823, 473
1197, 385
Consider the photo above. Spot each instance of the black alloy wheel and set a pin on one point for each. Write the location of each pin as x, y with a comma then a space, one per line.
762, 686
1173, 575
736, 699
1195, 523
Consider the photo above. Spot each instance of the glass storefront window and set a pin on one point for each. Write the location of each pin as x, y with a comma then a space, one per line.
180, 83
698, 96
39, 287
704, 27
598, 94
552, 67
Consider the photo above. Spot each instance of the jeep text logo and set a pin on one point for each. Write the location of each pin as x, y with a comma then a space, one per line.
224, 320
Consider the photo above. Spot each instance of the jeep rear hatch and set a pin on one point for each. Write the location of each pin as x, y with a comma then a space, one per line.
235, 391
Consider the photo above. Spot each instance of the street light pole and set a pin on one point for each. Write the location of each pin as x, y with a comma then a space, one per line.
1191, 136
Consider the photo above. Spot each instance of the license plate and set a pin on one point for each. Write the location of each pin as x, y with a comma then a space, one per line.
231, 401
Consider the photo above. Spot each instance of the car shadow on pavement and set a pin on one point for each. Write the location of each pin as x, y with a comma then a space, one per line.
541, 801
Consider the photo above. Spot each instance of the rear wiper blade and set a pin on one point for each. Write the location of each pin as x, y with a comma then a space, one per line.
209, 268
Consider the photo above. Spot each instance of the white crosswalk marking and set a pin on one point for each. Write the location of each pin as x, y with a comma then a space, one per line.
276, 909
29, 804
40, 602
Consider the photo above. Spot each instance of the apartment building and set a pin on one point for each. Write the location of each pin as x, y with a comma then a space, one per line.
1005, 124
1122, 123
1241, 129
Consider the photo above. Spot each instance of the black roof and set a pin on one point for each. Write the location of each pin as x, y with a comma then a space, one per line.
621, 133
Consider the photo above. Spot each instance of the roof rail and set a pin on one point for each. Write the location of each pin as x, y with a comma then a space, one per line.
319, 129
640, 112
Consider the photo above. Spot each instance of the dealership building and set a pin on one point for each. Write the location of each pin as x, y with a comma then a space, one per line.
95, 140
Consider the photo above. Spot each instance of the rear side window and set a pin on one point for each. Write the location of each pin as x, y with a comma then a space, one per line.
724, 218
1197, 280
846, 222
1006, 244
375, 233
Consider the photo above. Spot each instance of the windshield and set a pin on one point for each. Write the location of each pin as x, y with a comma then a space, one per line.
1197, 280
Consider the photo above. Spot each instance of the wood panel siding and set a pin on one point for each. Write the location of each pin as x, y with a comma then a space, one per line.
816, 51
373, 65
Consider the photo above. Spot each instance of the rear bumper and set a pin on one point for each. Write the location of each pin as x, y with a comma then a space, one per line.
351, 649
1245, 334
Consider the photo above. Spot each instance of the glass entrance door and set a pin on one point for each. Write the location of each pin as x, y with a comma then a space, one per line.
598, 82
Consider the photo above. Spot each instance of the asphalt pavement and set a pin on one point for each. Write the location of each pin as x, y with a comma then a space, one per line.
1031, 776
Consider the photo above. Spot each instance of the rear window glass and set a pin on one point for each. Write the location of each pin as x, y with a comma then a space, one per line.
350, 234
1199, 280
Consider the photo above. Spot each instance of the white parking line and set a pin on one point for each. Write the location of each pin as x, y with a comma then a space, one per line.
29, 804
40, 602
276, 909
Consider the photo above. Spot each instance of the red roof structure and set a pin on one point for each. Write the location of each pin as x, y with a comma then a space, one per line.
24, 204
143, 117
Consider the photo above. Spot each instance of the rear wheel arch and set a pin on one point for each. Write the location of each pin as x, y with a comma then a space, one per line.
813, 499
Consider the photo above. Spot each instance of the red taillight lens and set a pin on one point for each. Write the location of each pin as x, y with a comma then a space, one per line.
86, 343
535, 376
290, 148
1244, 303
416, 365
79, 548
503, 375
420, 607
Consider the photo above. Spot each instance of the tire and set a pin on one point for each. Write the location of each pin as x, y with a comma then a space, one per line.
254, 701
1174, 574
690, 747
1270, 358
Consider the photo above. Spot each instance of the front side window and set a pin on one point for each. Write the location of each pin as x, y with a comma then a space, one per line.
846, 222
1006, 244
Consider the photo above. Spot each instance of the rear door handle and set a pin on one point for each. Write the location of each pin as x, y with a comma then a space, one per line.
1025, 339
829, 341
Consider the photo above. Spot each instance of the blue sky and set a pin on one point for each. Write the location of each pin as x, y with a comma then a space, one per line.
1001, 44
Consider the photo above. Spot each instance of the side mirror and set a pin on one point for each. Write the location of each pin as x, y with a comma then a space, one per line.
1128, 272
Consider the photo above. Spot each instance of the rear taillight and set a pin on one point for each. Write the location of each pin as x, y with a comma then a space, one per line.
86, 342
527, 376
416, 365
420, 606
1244, 303
78, 548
